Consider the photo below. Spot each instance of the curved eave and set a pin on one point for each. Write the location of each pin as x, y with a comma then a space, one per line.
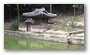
40, 16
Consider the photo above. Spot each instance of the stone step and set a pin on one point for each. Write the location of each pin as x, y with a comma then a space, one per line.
77, 42
79, 35
76, 32
54, 35
78, 38
37, 30
56, 32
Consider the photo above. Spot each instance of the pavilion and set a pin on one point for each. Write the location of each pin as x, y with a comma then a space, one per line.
38, 17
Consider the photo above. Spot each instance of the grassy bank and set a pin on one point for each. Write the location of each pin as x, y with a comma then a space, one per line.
13, 42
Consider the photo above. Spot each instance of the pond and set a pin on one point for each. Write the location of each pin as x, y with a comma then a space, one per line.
14, 42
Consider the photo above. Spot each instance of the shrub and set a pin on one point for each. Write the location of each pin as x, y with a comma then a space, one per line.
55, 27
72, 25
14, 25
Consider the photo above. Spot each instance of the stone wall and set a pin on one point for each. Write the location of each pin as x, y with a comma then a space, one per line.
77, 38
44, 36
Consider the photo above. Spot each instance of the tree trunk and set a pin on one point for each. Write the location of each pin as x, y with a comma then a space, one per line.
74, 6
50, 8
10, 14
18, 13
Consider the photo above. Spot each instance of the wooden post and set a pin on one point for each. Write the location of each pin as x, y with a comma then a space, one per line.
30, 26
40, 22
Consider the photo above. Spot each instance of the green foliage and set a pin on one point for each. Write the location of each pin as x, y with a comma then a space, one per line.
66, 28
72, 25
62, 28
48, 28
80, 7
55, 27
14, 25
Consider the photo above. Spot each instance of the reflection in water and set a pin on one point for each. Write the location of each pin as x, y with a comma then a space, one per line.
28, 43
71, 46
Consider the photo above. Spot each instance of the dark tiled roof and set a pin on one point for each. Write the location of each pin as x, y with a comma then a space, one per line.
29, 20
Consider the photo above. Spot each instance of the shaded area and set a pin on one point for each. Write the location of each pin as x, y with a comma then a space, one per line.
10, 10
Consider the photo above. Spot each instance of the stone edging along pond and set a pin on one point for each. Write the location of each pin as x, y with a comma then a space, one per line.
73, 37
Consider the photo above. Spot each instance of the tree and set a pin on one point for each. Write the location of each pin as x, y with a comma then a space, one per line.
50, 8
18, 13
79, 7
10, 13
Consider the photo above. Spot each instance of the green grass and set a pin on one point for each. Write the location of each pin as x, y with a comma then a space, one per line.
13, 42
